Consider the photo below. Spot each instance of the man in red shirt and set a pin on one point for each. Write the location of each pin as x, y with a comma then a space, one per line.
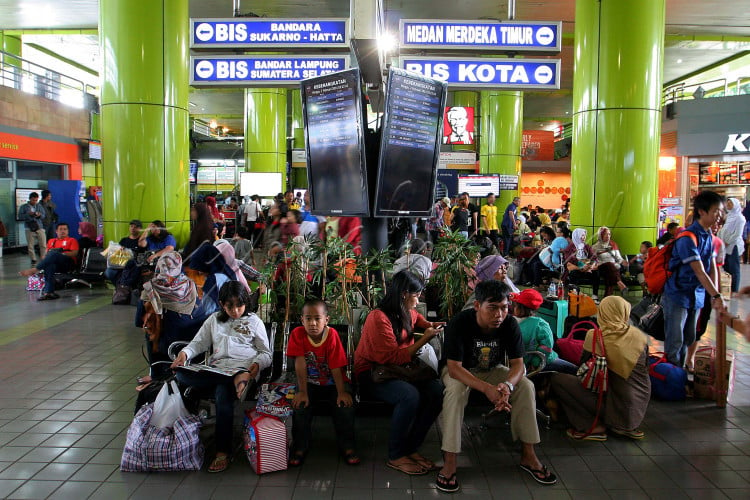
61, 257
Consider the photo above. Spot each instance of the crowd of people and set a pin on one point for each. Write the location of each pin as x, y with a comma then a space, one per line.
203, 296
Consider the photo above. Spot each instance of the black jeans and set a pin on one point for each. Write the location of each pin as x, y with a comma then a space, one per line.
584, 278
343, 419
416, 406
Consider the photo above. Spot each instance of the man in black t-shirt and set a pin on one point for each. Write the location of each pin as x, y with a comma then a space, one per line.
477, 341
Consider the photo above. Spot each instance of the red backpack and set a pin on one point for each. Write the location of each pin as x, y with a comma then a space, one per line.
656, 267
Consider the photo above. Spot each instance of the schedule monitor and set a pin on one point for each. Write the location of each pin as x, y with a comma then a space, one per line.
410, 144
335, 145
479, 185
260, 183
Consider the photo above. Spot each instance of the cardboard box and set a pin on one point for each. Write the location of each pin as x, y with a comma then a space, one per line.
725, 282
705, 375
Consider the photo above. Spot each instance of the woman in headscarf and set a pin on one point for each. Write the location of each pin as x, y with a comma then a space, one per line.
731, 235
610, 261
413, 259
579, 262
87, 231
492, 267
629, 388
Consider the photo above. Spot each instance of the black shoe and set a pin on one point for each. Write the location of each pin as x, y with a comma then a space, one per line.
49, 296
33, 263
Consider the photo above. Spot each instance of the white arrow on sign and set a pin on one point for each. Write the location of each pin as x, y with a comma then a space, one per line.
204, 69
204, 32
544, 74
545, 35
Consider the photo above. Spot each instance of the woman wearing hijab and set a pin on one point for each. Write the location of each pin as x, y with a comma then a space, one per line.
87, 233
413, 259
580, 264
492, 267
731, 235
610, 260
629, 388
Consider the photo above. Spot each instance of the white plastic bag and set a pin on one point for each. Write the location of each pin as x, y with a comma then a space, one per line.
168, 406
426, 354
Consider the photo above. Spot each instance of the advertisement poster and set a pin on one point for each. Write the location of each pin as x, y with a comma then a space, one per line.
670, 214
550, 190
538, 145
458, 125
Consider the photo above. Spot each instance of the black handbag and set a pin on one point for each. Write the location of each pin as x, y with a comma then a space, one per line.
648, 315
412, 372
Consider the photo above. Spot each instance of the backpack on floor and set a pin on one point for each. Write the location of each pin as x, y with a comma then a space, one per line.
656, 267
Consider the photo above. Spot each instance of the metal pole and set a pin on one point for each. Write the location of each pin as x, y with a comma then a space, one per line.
511, 9
720, 369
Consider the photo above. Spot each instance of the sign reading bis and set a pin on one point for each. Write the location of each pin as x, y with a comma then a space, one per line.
483, 72
271, 33
261, 70
480, 35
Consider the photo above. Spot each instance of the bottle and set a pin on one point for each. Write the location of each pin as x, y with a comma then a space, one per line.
560, 292
552, 291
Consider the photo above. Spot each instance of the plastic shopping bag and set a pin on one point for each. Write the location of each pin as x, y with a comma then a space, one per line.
168, 406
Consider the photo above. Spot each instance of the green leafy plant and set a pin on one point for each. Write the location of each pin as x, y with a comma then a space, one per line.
456, 256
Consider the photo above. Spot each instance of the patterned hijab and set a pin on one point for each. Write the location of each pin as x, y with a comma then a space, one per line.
579, 240
623, 342
227, 253
170, 288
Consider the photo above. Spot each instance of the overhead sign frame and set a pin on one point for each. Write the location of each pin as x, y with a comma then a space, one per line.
261, 33
486, 35
478, 71
244, 64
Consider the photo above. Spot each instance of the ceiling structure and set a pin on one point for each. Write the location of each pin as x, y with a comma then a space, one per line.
699, 34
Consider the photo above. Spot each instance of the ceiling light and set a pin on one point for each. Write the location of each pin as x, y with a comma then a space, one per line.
191, 103
387, 42
679, 61
213, 124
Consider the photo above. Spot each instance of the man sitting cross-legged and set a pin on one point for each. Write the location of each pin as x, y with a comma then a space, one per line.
476, 341
61, 257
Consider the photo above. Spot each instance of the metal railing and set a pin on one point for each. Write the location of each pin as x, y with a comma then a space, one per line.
720, 87
35, 79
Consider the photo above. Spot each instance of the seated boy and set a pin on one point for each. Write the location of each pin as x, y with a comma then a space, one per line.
318, 361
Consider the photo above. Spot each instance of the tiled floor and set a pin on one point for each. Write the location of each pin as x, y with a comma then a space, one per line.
67, 394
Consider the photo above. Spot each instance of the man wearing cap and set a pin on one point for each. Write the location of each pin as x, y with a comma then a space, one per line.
436, 222
130, 241
477, 341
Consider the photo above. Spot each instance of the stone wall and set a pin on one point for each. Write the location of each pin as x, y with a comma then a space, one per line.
31, 112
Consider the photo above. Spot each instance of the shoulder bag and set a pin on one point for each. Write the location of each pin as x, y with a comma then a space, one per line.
421, 369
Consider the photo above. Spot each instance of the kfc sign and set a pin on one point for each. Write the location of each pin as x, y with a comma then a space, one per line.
736, 143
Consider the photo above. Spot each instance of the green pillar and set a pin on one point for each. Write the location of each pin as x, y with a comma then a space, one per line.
12, 45
500, 141
296, 121
617, 118
144, 114
265, 131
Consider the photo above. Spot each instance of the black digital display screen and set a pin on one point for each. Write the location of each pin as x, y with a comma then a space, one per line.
410, 144
334, 140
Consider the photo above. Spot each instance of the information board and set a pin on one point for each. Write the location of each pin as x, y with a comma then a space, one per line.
334, 142
479, 185
269, 33
485, 72
410, 144
527, 36
249, 70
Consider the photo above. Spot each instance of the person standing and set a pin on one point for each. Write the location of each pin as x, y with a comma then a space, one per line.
509, 223
32, 214
693, 267
50, 216
436, 222
489, 222
460, 217
731, 234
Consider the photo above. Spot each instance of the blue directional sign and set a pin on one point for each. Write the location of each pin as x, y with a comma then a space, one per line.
261, 71
481, 72
527, 36
269, 33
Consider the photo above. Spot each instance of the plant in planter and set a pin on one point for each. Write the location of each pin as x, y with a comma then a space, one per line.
456, 257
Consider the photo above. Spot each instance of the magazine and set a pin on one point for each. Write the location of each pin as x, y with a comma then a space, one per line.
229, 372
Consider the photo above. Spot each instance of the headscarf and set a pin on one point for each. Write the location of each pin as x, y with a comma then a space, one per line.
227, 252
87, 230
522, 218
731, 232
170, 288
211, 202
623, 342
579, 240
610, 243
488, 266
544, 219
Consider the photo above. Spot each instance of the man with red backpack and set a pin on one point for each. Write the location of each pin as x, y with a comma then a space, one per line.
693, 273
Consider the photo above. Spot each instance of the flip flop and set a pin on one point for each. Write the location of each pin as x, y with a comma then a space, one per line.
582, 436
351, 458
297, 458
425, 463
632, 434
447, 484
219, 464
541, 476
403, 468
49, 296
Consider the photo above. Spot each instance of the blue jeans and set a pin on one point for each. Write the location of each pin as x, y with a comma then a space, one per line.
54, 262
732, 266
679, 330
112, 275
562, 366
416, 407
225, 394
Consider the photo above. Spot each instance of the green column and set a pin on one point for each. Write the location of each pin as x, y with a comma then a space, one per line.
617, 118
12, 45
144, 114
265, 131
500, 140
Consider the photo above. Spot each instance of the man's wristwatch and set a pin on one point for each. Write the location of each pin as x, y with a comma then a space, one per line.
510, 386
717, 296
